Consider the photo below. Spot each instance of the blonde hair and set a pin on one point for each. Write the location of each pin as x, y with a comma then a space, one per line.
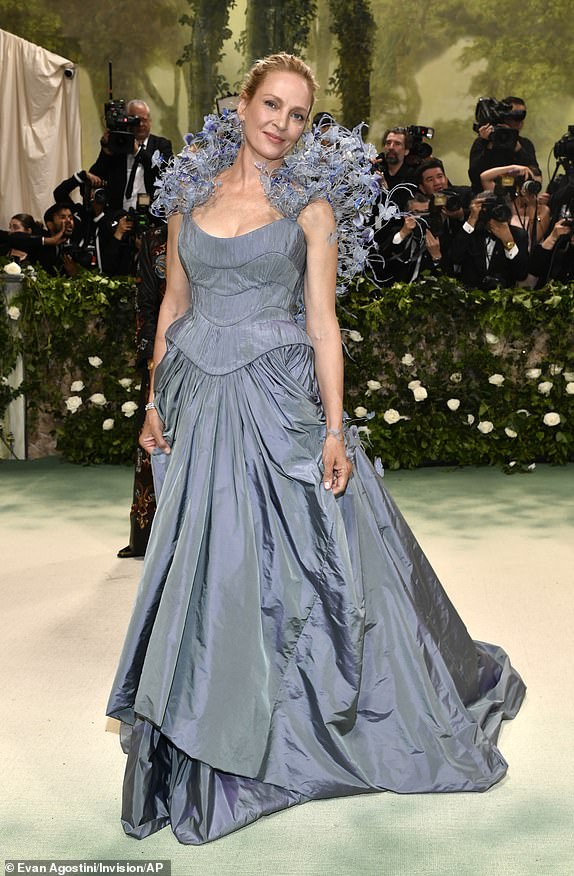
279, 62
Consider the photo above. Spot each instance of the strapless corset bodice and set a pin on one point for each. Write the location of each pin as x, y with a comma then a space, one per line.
245, 293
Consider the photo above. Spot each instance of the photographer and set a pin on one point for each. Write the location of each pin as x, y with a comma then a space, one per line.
410, 245
488, 252
66, 257
125, 161
553, 259
499, 142
91, 223
524, 185
561, 186
391, 164
432, 180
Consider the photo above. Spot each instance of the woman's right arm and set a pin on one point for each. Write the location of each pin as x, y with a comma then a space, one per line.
175, 303
488, 177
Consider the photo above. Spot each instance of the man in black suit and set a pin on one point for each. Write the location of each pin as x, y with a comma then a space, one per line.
126, 176
488, 251
486, 154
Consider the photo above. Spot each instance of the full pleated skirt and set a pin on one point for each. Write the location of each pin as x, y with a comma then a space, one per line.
286, 645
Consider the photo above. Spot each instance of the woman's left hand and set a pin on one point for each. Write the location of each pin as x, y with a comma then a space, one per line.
336, 467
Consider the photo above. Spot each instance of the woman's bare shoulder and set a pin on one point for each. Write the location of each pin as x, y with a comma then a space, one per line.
317, 217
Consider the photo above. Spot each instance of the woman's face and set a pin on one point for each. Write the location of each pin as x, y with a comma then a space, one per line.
16, 225
275, 117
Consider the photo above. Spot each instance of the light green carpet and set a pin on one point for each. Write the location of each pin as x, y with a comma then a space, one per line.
504, 549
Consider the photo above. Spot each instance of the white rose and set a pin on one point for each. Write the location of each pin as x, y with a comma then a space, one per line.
420, 393
355, 336
95, 361
545, 387
414, 383
556, 369
456, 377
108, 424
73, 403
408, 359
531, 467
568, 376
373, 384
453, 404
364, 430
13, 312
496, 379
12, 268
570, 388
126, 382
469, 419
77, 386
138, 386
129, 408
512, 463
391, 416
98, 399
551, 419
485, 426
533, 373
490, 338
510, 432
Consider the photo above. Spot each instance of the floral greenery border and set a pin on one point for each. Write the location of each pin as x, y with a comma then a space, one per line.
77, 340
440, 374
435, 373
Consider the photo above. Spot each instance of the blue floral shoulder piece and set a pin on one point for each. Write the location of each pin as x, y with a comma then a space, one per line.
332, 165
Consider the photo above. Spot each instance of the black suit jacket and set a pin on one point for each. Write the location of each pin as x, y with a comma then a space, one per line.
113, 169
469, 254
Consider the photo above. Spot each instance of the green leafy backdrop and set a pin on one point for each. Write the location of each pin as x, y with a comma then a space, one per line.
434, 373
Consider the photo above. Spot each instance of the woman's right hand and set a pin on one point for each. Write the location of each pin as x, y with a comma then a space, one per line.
151, 435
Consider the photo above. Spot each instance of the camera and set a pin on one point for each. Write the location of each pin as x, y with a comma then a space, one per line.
82, 255
419, 150
379, 163
122, 127
528, 186
497, 113
139, 216
564, 147
495, 206
448, 199
566, 215
490, 282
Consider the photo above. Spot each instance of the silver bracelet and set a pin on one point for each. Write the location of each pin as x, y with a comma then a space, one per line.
150, 406
336, 433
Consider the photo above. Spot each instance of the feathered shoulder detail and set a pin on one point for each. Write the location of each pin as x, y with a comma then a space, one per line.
332, 165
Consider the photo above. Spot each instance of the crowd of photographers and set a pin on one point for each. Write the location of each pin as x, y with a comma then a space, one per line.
102, 230
500, 230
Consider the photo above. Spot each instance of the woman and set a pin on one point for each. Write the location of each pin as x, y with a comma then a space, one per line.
528, 210
24, 224
289, 639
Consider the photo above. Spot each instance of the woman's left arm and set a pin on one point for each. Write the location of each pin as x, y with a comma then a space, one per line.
318, 224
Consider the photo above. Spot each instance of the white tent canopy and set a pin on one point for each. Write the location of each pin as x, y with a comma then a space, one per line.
40, 135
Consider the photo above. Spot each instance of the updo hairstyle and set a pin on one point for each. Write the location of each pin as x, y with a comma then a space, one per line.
281, 62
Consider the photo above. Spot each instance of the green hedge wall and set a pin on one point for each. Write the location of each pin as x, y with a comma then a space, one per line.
434, 373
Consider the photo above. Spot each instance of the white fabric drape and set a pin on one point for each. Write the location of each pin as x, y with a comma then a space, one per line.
40, 141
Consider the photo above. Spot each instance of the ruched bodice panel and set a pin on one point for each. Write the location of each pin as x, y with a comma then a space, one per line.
245, 292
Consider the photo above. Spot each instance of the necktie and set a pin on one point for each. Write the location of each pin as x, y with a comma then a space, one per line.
130, 185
